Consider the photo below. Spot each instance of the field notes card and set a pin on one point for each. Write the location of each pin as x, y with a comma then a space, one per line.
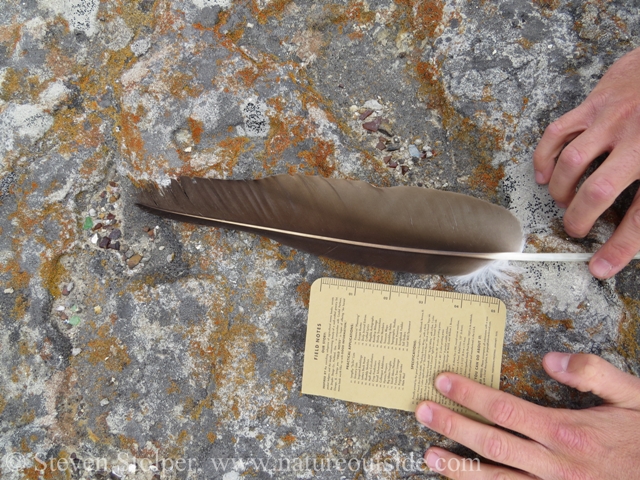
384, 345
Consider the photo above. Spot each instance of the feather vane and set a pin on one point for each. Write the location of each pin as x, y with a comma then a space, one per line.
408, 229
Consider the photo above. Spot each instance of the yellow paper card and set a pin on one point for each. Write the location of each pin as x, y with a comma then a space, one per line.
384, 345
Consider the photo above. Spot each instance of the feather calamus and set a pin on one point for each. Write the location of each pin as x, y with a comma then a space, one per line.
409, 229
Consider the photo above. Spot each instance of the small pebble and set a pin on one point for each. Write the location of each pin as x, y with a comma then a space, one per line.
104, 242
373, 105
170, 257
97, 309
76, 351
97, 226
74, 320
134, 260
161, 247
364, 115
92, 212
114, 245
88, 223
385, 128
414, 152
60, 308
373, 125
104, 402
115, 234
8, 291
95, 238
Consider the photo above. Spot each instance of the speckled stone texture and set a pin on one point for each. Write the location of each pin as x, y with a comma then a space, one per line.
135, 347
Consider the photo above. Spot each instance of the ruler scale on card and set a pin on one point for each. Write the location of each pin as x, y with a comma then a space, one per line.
384, 345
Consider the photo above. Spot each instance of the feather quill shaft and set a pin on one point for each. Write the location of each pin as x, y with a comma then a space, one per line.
399, 228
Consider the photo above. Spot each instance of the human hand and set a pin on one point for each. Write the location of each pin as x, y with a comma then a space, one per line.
607, 121
594, 443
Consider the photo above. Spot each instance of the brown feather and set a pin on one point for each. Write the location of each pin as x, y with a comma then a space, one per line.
408, 229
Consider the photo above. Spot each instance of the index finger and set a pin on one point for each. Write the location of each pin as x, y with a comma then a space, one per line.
600, 189
498, 407
555, 137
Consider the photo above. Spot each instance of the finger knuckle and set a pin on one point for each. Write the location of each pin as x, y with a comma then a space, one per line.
598, 100
575, 226
462, 394
621, 249
448, 426
497, 448
572, 157
504, 412
556, 129
600, 190
634, 218
572, 438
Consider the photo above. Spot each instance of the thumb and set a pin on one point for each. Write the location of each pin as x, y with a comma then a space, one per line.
590, 373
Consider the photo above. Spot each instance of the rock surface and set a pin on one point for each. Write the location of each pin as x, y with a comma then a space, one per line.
135, 347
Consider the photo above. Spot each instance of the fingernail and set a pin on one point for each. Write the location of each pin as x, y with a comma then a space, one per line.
443, 384
600, 268
432, 460
558, 362
539, 177
561, 205
424, 414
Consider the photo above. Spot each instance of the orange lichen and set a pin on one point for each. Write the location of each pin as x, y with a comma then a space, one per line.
486, 177
318, 158
283, 134
478, 142
526, 43
275, 8
356, 11
304, 293
533, 314
351, 271
629, 330
133, 144
422, 16
74, 131
197, 128
108, 350
286, 378
547, 6
248, 75
182, 84
229, 151
520, 376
